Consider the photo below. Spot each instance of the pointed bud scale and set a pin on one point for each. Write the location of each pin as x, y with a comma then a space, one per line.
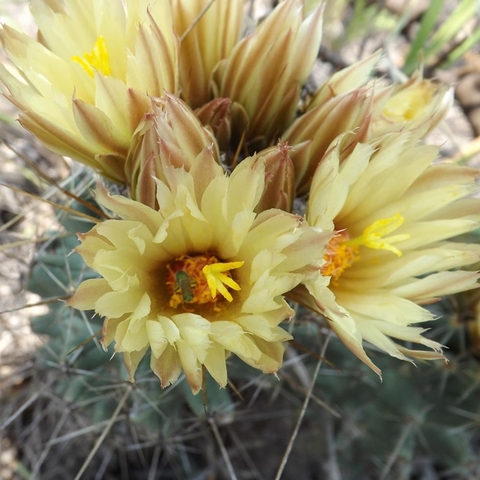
169, 136
217, 115
311, 134
346, 80
178, 125
279, 189
140, 163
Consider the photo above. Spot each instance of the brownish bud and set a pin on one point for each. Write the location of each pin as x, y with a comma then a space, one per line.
279, 189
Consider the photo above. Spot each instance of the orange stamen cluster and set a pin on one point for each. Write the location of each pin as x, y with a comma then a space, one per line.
199, 289
339, 256
343, 251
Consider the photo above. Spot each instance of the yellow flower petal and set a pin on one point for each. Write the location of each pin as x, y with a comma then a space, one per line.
170, 273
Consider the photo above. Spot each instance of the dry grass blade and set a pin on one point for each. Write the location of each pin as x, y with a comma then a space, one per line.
223, 450
52, 182
396, 451
100, 439
51, 203
44, 301
302, 411
28, 241
199, 17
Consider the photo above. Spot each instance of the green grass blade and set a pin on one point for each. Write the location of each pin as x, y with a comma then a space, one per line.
455, 22
427, 25
462, 49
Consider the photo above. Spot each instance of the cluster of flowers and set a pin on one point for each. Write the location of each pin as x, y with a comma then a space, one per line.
242, 191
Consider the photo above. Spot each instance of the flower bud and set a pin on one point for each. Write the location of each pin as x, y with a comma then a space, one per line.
279, 189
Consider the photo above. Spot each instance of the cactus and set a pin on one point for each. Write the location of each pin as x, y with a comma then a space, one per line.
418, 421
78, 416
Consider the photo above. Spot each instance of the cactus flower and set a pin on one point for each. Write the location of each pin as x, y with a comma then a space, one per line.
361, 114
199, 278
84, 86
393, 212
418, 105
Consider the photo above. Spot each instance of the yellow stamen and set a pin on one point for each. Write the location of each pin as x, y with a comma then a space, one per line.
217, 280
98, 59
194, 281
372, 235
343, 251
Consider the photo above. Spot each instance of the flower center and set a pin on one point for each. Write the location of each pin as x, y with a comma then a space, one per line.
199, 279
339, 256
97, 59
408, 104
343, 251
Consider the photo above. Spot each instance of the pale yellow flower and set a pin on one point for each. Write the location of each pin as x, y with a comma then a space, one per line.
418, 105
84, 86
201, 277
349, 104
393, 212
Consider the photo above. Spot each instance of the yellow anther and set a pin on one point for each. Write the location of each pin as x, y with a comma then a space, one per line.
217, 280
97, 59
372, 236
